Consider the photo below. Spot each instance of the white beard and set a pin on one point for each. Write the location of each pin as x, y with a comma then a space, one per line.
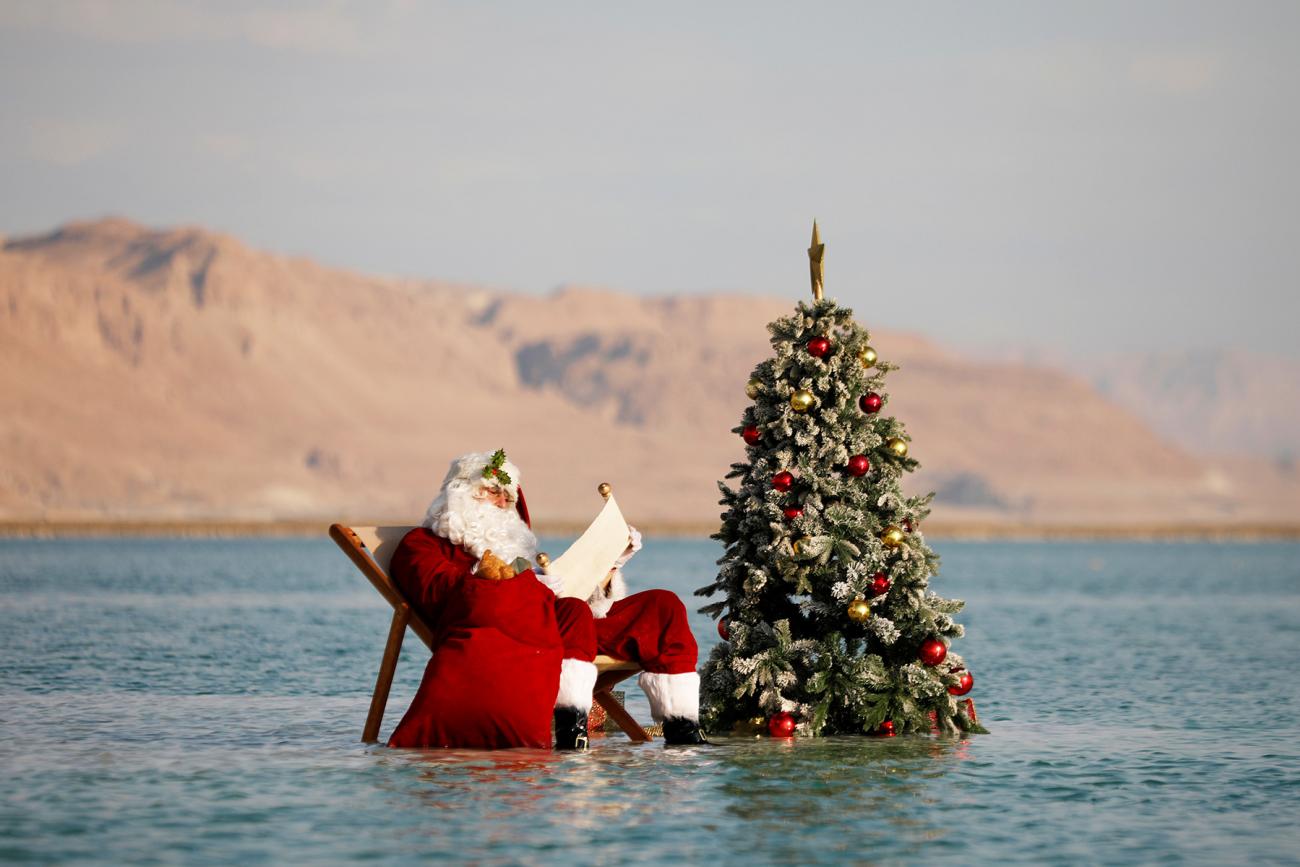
478, 526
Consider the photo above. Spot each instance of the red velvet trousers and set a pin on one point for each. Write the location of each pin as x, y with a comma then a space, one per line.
648, 628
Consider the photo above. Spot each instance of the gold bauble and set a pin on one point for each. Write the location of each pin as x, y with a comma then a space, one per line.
859, 610
753, 388
797, 545
892, 536
897, 446
868, 357
802, 400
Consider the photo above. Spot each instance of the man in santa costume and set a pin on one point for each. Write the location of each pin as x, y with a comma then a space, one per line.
508, 656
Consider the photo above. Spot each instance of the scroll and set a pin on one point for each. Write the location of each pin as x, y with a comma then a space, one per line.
589, 560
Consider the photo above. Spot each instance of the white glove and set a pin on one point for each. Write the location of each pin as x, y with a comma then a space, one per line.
550, 582
634, 539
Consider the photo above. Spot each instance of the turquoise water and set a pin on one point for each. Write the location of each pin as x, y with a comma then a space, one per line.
201, 702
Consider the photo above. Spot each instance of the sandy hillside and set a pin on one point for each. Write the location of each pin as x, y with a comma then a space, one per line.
180, 374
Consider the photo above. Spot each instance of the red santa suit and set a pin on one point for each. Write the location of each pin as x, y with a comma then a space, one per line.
506, 652
649, 628
495, 669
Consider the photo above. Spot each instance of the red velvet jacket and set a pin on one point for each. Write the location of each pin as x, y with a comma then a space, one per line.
495, 669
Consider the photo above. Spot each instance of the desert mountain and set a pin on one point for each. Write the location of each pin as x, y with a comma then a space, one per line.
1213, 402
181, 374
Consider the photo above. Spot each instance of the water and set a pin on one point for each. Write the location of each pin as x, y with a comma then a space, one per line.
201, 702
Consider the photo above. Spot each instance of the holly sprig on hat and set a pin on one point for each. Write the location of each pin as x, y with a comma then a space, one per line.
493, 469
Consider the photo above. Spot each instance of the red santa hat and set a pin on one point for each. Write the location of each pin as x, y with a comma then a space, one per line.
522, 507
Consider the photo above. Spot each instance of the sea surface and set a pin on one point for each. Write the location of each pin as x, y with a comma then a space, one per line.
183, 701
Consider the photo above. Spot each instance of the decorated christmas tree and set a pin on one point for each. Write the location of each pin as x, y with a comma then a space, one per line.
828, 622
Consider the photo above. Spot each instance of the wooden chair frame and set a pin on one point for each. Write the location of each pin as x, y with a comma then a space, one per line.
371, 550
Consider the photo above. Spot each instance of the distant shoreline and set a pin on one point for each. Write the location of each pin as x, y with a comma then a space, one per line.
934, 530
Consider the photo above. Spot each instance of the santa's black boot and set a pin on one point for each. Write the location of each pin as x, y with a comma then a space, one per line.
680, 730
570, 728
674, 701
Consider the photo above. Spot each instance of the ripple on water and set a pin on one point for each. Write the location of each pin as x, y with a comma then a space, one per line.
201, 701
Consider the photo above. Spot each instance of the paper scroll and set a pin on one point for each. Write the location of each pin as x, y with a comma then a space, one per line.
589, 560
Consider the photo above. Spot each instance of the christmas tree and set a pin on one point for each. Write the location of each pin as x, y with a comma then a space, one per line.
828, 622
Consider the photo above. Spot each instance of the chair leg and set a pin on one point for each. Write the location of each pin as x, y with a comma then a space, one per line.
383, 683
619, 715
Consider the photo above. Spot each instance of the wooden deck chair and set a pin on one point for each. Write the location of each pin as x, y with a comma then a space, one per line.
371, 550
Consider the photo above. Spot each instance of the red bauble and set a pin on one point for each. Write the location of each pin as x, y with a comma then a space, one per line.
819, 347
859, 465
871, 402
781, 725
723, 632
783, 481
932, 651
886, 729
751, 435
792, 512
879, 584
964, 685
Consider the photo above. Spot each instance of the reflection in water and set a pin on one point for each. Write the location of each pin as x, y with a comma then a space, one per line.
837, 794
498, 789
455, 779
869, 786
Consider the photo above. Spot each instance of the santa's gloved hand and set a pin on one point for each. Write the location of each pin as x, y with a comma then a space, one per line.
633, 545
554, 583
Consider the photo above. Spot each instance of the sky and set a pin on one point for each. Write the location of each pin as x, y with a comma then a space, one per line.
1077, 178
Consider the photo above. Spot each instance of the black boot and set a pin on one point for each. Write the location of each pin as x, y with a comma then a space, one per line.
570, 728
680, 730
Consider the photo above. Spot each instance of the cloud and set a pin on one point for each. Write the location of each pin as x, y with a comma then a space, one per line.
134, 21
317, 167
1179, 72
332, 28
310, 31
225, 146
64, 142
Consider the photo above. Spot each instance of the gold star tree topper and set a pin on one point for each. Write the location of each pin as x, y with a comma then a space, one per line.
815, 254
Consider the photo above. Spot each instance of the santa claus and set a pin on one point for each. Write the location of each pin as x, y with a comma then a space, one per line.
508, 655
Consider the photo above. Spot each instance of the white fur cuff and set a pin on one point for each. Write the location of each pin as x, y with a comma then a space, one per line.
672, 694
577, 680
603, 598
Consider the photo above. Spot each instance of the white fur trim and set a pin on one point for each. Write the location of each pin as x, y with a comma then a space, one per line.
603, 598
577, 680
469, 468
672, 694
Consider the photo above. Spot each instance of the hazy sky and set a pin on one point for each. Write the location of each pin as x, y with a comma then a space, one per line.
1109, 175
